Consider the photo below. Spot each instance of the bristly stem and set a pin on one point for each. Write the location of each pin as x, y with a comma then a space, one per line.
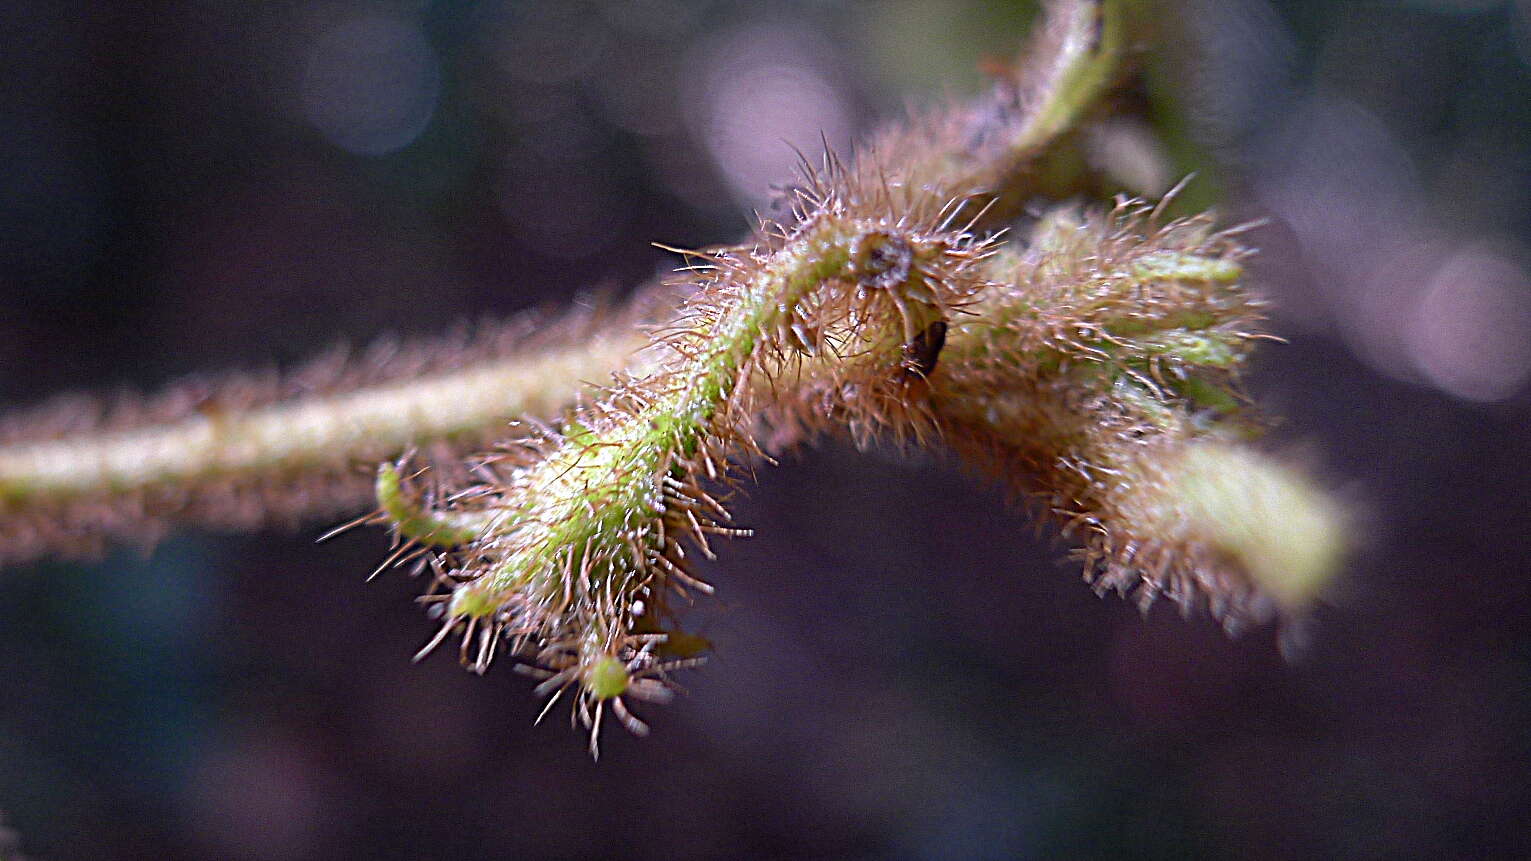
295, 435
919, 292
294, 458
594, 521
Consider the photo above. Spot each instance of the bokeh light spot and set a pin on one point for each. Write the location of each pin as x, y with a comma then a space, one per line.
1471, 332
370, 85
766, 88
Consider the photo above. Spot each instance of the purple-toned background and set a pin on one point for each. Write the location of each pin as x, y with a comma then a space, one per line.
903, 669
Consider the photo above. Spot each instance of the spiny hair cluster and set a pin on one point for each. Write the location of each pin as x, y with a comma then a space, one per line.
582, 536
1097, 375
1092, 364
1100, 376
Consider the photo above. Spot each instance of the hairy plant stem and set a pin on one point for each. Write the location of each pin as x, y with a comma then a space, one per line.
295, 435
596, 506
292, 459
1092, 365
295, 458
996, 150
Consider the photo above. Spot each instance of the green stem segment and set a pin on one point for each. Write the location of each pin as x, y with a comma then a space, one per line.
1089, 48
418, 523
300, 434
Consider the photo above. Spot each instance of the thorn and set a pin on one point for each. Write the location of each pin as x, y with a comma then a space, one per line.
435, 641
349, 525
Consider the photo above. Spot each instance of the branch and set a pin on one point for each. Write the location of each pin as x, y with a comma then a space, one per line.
222, 458
1093, 367
227, 463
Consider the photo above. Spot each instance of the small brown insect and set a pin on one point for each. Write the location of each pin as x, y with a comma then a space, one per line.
920, 354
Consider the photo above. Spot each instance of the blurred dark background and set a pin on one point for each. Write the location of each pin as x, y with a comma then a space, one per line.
903, 668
